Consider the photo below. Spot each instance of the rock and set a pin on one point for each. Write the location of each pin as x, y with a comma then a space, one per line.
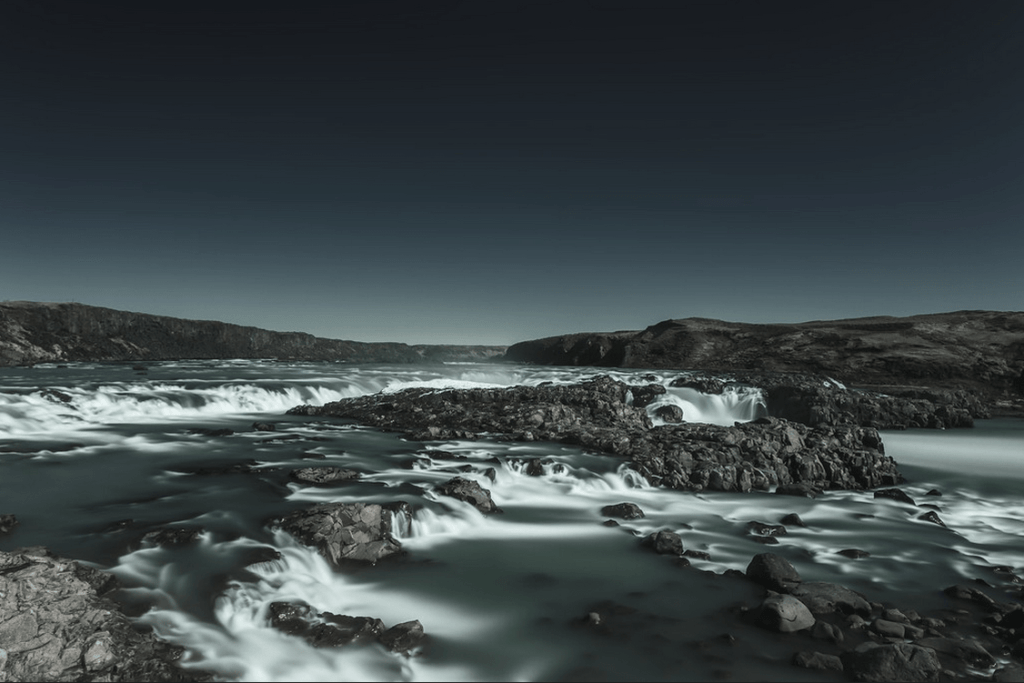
57, 624
645, 395
670, 413
623, 511
762, 529
210, 431
895, 494
793, 519
773, 572
966, 650
264, 427
705, 385
172, 536
854, 553
404, 637
888, 628
802, 490
974, 595
56, 395
818, 661
826, 631
323, 475
892, 662
344, 532
7, 524
933, 518
826, 598
664, 542
469, 492
783, 613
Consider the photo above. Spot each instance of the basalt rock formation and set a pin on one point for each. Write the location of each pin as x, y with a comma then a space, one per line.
47, 332
598, 415
981, 351
57, 624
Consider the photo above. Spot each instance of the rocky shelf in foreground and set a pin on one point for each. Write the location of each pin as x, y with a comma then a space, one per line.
32, 332
606, 415
982, 351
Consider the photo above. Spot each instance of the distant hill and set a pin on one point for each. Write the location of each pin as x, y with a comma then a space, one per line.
32, 332
978, 350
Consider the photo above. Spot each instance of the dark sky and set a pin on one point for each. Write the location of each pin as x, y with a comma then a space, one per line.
491, 171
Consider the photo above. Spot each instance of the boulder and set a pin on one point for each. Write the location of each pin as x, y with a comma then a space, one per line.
826, 598
892, 662
783, 613
323, 475
670, 413
623, 511
404, 637
7, 523
57, 623
664, 542
470, 492
325, 629
344, 532
818, 661
773, 572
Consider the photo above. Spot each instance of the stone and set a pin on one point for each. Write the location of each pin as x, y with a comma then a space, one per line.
783, 613
891, 662
344, 532
470, 492
887, 628
664, 543
58, 623
854, 553
932, 517
793, 519
323, 475
818, 661
623, 511
7, 524
822, 598
967, 650
895, 494
773, 572
404, 637
670, 413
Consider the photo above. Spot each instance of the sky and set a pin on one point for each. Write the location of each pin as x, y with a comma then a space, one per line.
486, 172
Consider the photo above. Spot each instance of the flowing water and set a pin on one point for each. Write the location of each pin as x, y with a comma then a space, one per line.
92, 456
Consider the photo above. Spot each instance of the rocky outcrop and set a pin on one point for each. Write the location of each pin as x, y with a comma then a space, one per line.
33, 332
326, 629
596, 414
344, 532
57, 624
981, 351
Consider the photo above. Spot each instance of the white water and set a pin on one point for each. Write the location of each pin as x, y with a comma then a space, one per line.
498, 595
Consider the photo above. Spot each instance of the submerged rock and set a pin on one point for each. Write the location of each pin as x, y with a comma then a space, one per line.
56, 623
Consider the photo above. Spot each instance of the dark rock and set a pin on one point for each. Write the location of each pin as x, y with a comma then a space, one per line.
783, 613
792, 519
404, 637
798, 489
57, 626
264, 427
323, 475
7, 523
344, 532
609, 522
773, 572
594, 414
761, 529
56, 395
890, 629
933, 492
826, 598
469, 492
854, 553
209, 431
705, 385
172, 536
826, 631
670, 413
974, 595
893, 662
895, 494
645, 395
623, 511
664, 542
697, 554
340, 629
818, 661
966, 650
933, 518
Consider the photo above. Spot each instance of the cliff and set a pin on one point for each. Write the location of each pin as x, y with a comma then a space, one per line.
33, 332
982, 351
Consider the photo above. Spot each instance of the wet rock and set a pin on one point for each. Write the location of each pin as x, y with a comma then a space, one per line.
965, 650
404, 637
323, 475
697, 554
895, 494
783, 613
826, 631
793, 519
664, 542
264, 427
817, 661
822, 598
470, 492
7, 524
933, 492
172, 536
762, 529
210, 431
773, 572
645, 395
801, 490
705, 385
56, 395
891, 662
344, 532
933, 518
974, 595
891, 629
854, 553
671, 413
623, 511
56, 623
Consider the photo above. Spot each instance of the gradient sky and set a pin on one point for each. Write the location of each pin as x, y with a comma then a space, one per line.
492, 171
